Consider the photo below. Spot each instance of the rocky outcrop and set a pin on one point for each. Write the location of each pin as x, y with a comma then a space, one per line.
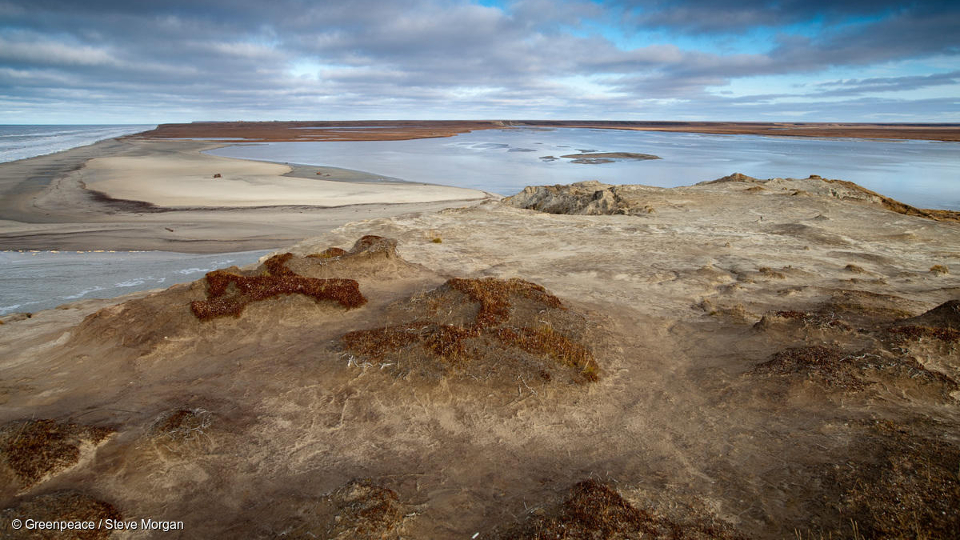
584, 198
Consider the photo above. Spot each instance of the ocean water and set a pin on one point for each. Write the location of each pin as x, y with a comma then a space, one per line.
921, 173
21, 142
32, 281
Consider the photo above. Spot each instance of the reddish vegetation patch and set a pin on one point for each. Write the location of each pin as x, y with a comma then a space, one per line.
36, 448
596, 511
229, 293
494, 296
494, 328
60, 506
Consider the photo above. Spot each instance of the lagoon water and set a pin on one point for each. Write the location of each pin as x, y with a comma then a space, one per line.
69, 276
921, 173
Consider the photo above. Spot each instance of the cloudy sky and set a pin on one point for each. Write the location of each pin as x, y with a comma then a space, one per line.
129, 61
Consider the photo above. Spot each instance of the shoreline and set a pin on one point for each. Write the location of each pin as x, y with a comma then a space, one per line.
395, 130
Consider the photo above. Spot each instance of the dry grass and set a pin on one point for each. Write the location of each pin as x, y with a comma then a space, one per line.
915, 332
838, 369
445, 341
329, 253
545, 341
939, 269
458, 337
366, 511
228, 293
595, 511
911, 490
817, 320
494, 297
182, 425
854, 269
59, 506
36, 448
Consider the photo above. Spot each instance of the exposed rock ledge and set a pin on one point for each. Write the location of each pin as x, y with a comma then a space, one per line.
584, 198
596, 198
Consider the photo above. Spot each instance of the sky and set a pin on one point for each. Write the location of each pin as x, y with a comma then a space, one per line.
129, 61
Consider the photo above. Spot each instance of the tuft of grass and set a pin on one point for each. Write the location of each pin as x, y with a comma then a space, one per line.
366, 511
545, 341
443, 340
182, 425
229, 293
854, 269
594, 510
36, 448
437, 240
939, 269
838, 369
819, 320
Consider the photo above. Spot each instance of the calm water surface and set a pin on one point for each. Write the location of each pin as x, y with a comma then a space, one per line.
37, 280
922, 173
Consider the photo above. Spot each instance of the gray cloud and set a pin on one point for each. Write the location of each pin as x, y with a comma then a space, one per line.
440, 58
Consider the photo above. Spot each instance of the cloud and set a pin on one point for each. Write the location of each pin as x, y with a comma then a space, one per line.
450, 58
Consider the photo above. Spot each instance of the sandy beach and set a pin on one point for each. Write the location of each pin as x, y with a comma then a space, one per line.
744, 358
163, 195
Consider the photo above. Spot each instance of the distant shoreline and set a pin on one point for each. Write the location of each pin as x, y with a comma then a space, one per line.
397, 130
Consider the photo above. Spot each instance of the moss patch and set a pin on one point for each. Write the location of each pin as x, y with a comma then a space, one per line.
229, 293
36, 448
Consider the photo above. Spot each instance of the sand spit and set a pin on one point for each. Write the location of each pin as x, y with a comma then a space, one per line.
166, 195
771, 362
596, 158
